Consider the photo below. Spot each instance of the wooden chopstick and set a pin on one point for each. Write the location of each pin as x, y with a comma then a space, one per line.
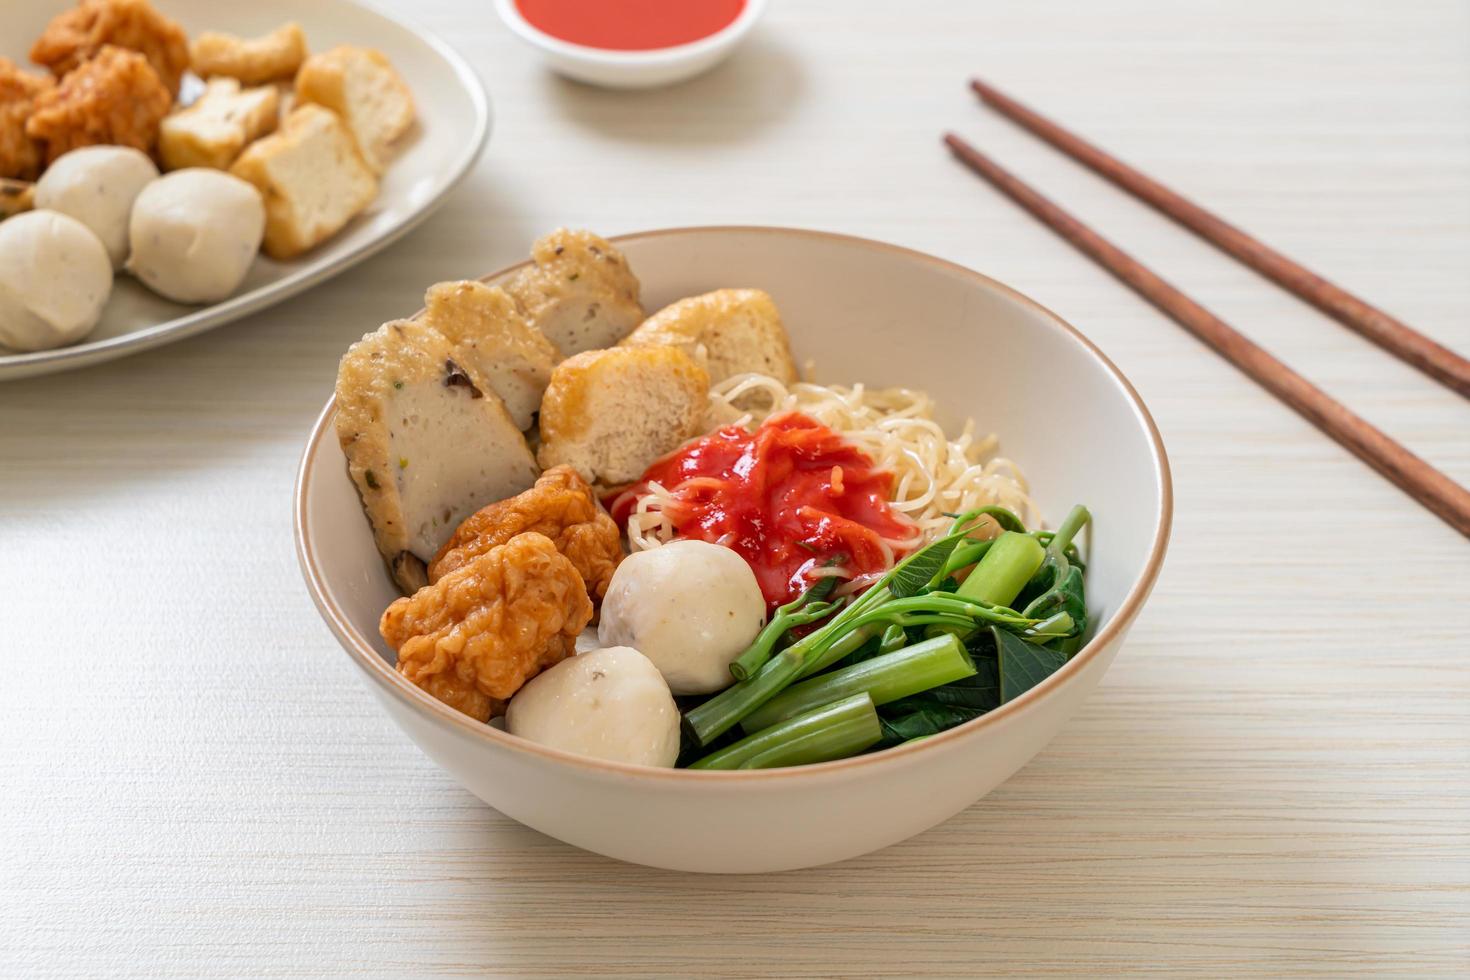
1393, 335
1424, 483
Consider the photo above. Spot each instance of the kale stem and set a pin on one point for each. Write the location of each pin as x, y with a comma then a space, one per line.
830, 731
885, 678
798, 612
1005, 569
1077, 519
722, 712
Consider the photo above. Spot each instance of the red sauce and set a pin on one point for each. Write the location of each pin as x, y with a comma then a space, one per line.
630, 25
788, 497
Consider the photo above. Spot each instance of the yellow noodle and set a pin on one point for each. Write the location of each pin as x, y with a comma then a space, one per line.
932, 474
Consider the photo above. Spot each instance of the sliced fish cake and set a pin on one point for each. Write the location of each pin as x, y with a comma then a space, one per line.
492, 336
579, 291
427, 440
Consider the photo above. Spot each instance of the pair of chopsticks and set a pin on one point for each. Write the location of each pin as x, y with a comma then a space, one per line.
1437, 492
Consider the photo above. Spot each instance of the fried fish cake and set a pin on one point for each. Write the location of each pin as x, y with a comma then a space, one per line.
475, 636
560, 506
77, 35
579, 291
20, 155
115, 98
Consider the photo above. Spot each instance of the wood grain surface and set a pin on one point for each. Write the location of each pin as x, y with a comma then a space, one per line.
1274, 778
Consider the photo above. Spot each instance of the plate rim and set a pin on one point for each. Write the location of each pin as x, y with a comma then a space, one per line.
18, 366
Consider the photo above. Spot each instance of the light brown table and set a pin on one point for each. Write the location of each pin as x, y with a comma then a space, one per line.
1274, 778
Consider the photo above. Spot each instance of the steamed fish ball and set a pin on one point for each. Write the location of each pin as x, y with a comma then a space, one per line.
690, 606
55, 278
194, 233
97, 185
609, 704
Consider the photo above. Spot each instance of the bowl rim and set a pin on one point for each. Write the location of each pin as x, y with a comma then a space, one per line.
432, 709
632, 58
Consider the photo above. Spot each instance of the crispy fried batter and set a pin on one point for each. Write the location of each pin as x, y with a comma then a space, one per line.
20, 156
560, 506
475, 636
77, 35
114, 98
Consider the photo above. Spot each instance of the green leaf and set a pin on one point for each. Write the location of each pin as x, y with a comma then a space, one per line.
917, 570
930, 720
1023, 665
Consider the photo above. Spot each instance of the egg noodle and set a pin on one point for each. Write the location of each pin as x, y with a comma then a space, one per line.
933, 475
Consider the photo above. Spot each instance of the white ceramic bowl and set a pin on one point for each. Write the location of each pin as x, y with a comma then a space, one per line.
863, 311
633, 69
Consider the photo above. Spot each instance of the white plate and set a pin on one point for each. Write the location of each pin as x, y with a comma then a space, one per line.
453, 125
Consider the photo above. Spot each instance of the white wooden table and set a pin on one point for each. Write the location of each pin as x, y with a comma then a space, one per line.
1275, 776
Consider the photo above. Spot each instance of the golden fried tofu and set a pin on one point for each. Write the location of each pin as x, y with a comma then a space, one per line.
427, 442
560, 506
20, 155
578, 291
77, 35
729, 331
610, 413
312, 176
476, 635
273, 57
362, 86
488, 330
218, 125
115, 98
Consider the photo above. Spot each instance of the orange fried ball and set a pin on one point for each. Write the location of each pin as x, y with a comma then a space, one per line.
20, 156
475, 636
77, 35
114, 98
560, 506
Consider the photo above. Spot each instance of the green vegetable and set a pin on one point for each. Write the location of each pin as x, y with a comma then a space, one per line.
894, 599
805, 608
885, 678
831, 731
1005, 569
1023, 665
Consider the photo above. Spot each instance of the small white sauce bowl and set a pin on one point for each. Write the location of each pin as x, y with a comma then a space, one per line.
633, 69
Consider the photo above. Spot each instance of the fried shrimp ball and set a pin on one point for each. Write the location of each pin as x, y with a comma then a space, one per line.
20, 155
475, 636
115, 98
560, 506
77, 35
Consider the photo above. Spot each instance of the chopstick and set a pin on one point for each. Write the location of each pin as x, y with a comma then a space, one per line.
1437, 492
1393, 335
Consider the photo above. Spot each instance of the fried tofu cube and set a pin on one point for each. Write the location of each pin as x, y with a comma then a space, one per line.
729, 331
312, 176
608, 414
364, 88
272, 57
77, 35
218, 126
115, 98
